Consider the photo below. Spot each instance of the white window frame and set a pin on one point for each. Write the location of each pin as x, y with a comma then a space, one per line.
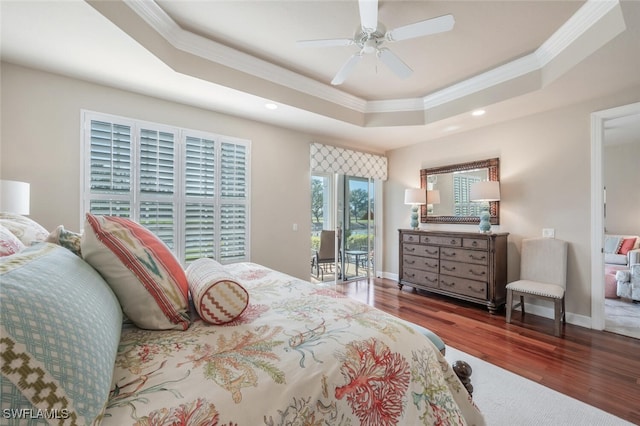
179, 198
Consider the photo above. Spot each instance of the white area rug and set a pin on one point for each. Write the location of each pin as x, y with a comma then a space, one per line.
507, 399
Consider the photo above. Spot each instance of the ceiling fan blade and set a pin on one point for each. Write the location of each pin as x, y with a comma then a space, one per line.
368, 15
422, 28
394, 63
346, 69
325, 43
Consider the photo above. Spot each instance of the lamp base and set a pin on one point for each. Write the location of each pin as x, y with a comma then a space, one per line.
485, 224
414, 217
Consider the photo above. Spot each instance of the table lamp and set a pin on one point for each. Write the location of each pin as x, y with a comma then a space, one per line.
485, 192
415, 197
14, 197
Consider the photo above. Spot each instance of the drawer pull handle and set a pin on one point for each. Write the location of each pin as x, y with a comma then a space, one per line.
409, 249
477, 258
447, 284
426, 239
410, 275
431, 252
477, 274
453, 242
477, 290
444, 253
433, 265
446, 268
431, 280
409, 261
474, 244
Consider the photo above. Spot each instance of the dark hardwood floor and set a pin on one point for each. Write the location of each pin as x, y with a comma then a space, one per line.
597, 367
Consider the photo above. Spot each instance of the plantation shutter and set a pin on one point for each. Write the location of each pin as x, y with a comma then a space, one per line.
110, 175
200, 223
233, 202
157, 179
189, 188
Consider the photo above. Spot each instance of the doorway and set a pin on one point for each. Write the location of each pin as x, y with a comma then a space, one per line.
345, 207
605, 131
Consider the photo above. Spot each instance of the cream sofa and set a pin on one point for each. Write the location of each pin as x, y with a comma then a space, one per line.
613, 256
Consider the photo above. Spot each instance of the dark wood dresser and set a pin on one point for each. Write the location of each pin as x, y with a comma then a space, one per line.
466, 265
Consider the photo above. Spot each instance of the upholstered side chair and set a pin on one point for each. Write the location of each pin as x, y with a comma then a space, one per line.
543, 274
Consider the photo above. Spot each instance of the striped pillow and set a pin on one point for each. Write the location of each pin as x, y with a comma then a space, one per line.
145, 276
217, 296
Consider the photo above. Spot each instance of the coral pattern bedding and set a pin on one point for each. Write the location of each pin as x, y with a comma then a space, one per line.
300, 354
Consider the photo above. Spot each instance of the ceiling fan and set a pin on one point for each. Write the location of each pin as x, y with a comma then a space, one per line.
371, 34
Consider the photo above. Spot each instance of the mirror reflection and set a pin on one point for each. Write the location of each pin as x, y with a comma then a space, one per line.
448, 199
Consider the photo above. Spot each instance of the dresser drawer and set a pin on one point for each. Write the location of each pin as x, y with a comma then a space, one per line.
475, 243
420, 250
464, 270
416, 276
423, 263
463, 255
411, 238
441, 241
462, 286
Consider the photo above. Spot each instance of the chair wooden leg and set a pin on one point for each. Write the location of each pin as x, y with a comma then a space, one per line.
522, 305
557, 316
509, 305
564, 312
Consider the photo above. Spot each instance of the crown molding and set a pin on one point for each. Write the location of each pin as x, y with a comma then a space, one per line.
208, 49
585, 18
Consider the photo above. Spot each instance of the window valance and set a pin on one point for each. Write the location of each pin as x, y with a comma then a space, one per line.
331, 159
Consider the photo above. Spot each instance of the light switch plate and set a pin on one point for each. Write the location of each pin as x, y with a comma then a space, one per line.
548, 232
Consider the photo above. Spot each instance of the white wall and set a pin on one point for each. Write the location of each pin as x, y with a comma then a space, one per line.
40, 144
622, 180
545, 183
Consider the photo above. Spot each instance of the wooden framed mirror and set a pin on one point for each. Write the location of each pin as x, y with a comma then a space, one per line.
452, 183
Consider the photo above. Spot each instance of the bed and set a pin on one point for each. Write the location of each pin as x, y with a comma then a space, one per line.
298, 354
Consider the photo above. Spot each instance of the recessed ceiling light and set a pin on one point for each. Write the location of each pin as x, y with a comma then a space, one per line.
270, 105
478, 112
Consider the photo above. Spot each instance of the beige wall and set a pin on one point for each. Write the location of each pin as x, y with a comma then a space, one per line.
622, 180
40, 144
545, 168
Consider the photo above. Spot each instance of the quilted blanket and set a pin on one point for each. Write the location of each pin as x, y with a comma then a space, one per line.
300, 354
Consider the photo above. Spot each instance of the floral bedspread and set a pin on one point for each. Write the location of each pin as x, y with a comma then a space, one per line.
301, 354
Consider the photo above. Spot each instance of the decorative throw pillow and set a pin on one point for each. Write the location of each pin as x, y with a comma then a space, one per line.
218, 296
141, 270
627, 244
9, 243
27, 230
67, 239
612, 244
59, 333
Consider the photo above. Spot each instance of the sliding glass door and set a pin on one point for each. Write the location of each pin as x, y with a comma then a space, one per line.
358, 230
342, 207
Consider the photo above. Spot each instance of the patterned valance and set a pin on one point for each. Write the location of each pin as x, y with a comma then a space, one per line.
331, 159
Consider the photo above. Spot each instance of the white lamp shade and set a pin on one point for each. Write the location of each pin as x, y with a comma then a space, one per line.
433, 196
415, 196
14, 197
485, 191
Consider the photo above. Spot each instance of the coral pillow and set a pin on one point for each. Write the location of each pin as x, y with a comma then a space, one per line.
145, 276
217, 296
627, 244
9, 243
